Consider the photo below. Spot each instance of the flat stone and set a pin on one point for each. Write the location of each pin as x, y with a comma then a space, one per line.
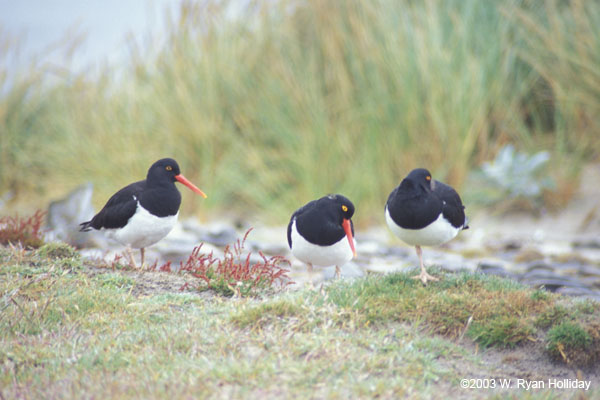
554, 248
577, 291
489, 269
552, 283
589, 270
587, 242
538, 266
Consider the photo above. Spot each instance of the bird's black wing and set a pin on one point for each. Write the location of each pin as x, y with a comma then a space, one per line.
452, 207
413, 208
308, 206
118, 209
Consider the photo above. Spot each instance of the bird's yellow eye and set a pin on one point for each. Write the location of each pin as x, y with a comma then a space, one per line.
168, 168
344, 208
428, 177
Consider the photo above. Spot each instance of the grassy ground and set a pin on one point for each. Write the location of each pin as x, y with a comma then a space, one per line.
71, 330
256, 108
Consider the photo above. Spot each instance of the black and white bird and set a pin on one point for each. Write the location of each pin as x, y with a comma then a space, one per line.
143, 212
424, 212
321, 233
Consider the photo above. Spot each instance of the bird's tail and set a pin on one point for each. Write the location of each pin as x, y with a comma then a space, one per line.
85, 226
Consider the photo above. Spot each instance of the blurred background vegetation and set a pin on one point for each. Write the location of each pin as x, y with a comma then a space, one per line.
280, 102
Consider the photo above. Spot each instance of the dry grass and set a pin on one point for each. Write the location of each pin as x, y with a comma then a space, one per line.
255, 108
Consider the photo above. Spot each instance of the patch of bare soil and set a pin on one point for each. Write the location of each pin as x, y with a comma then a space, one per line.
149, 283
527, 362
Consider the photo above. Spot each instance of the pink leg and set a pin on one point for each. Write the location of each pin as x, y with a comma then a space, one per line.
423, 276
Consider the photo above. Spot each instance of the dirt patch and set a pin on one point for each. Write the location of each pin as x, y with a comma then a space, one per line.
148, 283
528, 362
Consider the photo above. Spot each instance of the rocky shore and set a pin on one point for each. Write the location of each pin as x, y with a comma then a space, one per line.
560, 252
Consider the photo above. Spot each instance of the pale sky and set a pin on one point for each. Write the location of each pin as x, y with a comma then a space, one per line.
103, 24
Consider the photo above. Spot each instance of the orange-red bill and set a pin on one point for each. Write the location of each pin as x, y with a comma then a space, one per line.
189, 184
348, 230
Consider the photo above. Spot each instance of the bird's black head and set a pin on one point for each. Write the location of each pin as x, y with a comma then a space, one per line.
420, 178
341, 204
164, 170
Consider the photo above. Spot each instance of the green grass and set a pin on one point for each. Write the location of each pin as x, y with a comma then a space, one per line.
568, 341
493, 311
255, 108
67, 329
551, 316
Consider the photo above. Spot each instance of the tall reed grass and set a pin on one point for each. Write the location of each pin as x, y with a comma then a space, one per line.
271, 105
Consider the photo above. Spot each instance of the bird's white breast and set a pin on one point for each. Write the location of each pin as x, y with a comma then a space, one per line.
338, 253
143, 229
438, 232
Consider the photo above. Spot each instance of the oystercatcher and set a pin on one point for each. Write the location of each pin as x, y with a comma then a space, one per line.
317, 232
424, 212
143, 212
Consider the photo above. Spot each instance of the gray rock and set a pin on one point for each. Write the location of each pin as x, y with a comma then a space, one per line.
217, 234
589, 270
65, 215
577, 291
589, 242
495, 269
538, 267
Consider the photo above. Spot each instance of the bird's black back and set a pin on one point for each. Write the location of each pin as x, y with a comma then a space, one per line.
414, 205
320, 221
160, 200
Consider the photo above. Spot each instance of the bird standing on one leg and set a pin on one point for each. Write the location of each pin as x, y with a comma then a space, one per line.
143, 212
316, 232
424, 212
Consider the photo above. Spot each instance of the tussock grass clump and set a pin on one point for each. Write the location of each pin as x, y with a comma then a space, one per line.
497, 308
571, 343
25, 231
493, 311
57, 250
503, 331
